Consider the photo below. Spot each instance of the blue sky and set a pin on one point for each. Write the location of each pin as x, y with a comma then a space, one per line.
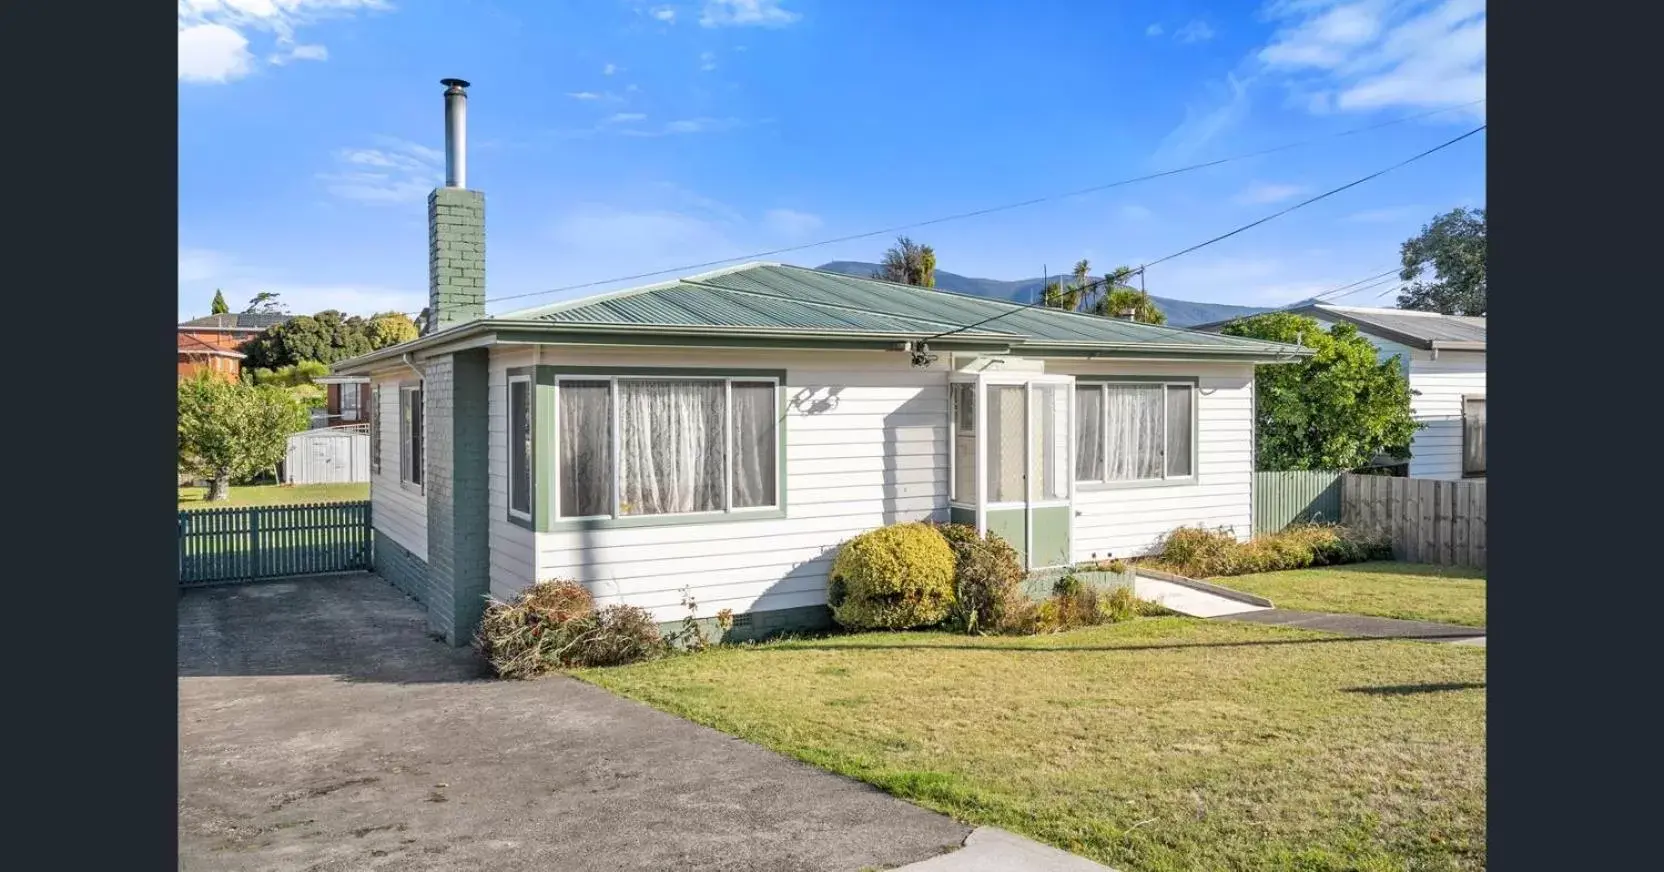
614, 137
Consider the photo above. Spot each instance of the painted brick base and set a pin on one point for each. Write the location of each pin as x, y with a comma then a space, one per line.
402, 569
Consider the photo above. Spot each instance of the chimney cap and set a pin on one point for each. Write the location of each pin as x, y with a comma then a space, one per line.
455, 84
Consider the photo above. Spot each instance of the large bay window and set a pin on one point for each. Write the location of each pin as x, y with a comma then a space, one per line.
633, 446
1134, 432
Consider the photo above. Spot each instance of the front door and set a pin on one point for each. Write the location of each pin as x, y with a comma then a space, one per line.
1020, 444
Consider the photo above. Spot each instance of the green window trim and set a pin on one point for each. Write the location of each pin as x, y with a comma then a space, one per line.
1195, 477
545, 516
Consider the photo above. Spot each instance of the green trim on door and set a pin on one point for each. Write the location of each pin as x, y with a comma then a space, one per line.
1012, 526
1051, 535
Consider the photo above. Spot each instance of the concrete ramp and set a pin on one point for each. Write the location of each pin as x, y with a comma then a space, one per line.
1189, 600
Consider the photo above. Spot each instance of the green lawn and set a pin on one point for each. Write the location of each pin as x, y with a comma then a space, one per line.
1414, 591
276, 494
1157, 744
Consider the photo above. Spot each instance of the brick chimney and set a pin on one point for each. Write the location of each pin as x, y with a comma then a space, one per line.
456, 226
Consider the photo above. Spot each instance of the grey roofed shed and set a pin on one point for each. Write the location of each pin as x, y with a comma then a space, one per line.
1424, 330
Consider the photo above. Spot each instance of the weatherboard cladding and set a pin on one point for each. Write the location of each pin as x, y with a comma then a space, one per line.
772, 296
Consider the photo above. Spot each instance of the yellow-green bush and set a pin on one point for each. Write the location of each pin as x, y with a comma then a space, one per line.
892, 578
1201, 553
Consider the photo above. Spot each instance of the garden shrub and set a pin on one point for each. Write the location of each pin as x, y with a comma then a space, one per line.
1201, 553
987, 580
892, 578
554, 624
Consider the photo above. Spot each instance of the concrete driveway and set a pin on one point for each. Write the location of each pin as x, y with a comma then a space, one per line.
320, 728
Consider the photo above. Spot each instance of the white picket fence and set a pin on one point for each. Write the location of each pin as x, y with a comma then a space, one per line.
332, 456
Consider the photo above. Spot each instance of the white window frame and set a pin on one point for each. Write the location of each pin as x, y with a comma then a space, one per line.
514, 450
1165, 480
353, 413
375, 419
728, 509
415, 440
1466, 400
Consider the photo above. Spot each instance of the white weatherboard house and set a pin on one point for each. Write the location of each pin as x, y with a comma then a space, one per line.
1443, 356
723, 433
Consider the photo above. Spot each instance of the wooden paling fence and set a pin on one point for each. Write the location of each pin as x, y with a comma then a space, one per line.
248, 543
1428, 521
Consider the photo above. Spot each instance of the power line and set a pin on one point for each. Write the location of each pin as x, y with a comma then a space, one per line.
1326, 194
989, 210
1142, 268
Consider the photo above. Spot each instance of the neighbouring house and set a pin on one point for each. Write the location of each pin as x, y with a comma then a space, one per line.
197, 355
1443, 356
721, 434
346, 401
213, 342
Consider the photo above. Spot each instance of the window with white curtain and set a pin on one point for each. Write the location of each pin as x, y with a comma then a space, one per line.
1473, 436
964, 443
1134, 431
668, 446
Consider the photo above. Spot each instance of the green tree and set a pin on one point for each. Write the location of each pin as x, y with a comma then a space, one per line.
231, 430
1454, 246
325, 337
1338, 409
908, 263
390, 328
265, 303
1072, 296
1122, 299
219, 307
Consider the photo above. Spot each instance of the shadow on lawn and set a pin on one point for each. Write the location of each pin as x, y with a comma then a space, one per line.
1425, 570
1408, 689
871, 646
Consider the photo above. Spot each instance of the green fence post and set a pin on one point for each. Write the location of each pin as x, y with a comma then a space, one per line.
254, 542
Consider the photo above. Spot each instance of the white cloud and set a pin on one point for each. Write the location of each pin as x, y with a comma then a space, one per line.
214, 34
689, 125
1260, 193
202, 271
1153, 30
1135, 212
1204, 121
791, 223
1380, 54
664, 13
212, 53
707, 61
1194, 31
609, 69
624, 118
400, 172
746, 13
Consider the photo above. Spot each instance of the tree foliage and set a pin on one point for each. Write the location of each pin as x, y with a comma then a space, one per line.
325, 338
1454, 246
219, 306
297, 379
1109, 296
231, 430
908, 263
1338, 409
265, 303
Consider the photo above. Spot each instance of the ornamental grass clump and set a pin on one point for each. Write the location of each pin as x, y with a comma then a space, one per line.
987, 581
892, 578
1203, 553
554, 625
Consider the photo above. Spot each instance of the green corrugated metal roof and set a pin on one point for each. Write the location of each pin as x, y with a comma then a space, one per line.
780, 297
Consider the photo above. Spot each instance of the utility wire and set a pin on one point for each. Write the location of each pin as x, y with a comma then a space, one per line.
1223, 236
989, 210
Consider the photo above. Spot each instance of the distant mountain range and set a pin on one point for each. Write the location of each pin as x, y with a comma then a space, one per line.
1180, 313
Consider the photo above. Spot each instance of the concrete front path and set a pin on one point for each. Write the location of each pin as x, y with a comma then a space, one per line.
1188, 600
1364, 625
320, 729
989, 849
